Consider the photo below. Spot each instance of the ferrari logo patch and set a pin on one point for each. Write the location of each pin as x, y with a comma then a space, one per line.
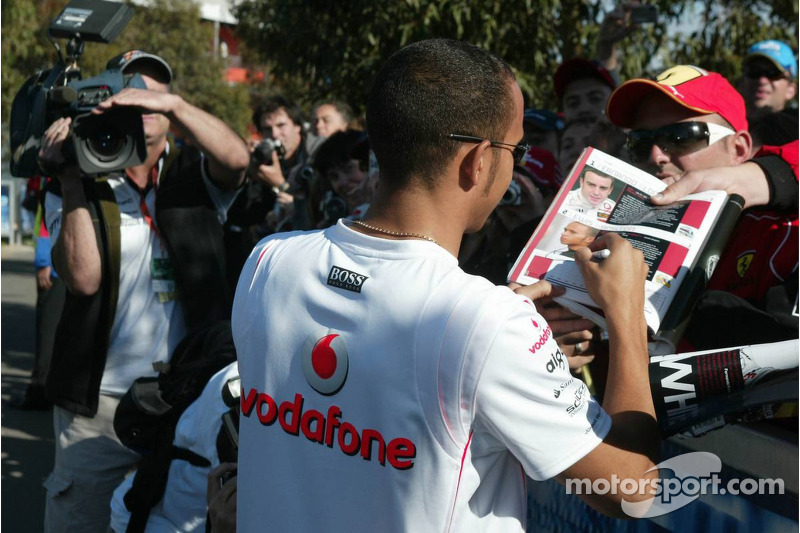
743, 262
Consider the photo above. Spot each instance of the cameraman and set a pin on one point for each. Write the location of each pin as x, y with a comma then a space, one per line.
141, 254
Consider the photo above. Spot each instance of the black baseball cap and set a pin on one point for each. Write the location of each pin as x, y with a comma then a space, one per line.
123, 61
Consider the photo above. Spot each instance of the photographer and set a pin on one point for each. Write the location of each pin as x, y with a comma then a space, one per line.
141, 254
275, 195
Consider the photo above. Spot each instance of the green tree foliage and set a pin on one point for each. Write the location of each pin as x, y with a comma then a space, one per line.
316, 49
170, 28
723, 31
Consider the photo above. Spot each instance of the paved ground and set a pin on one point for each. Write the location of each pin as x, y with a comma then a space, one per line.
27, 437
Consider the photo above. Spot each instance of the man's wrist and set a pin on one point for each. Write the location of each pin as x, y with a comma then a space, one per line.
283, 187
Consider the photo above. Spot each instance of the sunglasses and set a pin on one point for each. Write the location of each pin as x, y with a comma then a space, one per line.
771, 72
518, 150
676, 139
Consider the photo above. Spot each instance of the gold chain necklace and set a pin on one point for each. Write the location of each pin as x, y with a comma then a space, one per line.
397, 233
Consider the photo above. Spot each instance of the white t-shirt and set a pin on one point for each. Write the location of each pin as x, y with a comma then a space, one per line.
383, 389
183, 507
576, 201
146, 329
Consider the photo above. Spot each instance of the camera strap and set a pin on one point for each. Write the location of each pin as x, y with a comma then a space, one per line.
143, 195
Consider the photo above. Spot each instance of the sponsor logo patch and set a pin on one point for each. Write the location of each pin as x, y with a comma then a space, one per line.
743, 262
325, 361
346, 279
557, 360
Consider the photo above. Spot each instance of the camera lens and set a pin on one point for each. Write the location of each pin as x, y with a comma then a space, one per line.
106, 145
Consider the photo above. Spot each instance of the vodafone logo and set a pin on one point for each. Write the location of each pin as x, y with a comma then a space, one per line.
325, 361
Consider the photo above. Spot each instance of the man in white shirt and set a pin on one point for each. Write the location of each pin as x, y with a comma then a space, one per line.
383, 389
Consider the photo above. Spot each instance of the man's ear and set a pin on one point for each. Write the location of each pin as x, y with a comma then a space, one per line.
742, 146
791, 91
473, 166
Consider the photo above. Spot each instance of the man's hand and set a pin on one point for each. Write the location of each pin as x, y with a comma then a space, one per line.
747, 180
617, 282
51, 157
148, 101
43, 280
272, 174
615, 27
221, 498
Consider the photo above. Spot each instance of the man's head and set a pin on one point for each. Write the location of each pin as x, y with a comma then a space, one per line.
687, 119
280, 119
595, 187
330, 117
574, 139
542, 128
431, 89
338, 161
577, 235
157, 75
769, 77
583, 88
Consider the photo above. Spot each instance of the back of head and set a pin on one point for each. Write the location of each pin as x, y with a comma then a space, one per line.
426, 91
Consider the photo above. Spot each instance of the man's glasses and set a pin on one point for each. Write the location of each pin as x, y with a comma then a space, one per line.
755, 71
518, 150
676, 139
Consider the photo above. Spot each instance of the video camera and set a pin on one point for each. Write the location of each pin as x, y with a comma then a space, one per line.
98, 143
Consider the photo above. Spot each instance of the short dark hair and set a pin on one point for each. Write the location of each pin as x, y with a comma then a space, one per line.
271, 104
428, 90
342, 108
337, 150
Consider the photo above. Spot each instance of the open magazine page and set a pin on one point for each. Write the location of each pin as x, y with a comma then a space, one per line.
603, 194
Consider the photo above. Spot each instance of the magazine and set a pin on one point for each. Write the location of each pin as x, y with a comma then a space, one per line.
681, 242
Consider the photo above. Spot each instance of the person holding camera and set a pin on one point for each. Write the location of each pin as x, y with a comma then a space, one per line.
281, 121
279, 176
141, 254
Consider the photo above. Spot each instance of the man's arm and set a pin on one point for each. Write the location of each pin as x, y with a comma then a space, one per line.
76, 257
225, 151
633, 443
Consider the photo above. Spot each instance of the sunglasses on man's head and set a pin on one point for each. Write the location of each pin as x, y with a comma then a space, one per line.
771, 72
676, 139
518, 150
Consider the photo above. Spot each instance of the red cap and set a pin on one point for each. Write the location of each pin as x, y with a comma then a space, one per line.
692, 87
577, 68
541, 166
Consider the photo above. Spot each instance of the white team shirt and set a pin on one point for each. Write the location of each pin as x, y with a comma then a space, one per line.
383, 389
578, 203
145, 329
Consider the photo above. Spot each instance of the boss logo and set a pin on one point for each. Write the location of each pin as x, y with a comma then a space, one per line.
346, 279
